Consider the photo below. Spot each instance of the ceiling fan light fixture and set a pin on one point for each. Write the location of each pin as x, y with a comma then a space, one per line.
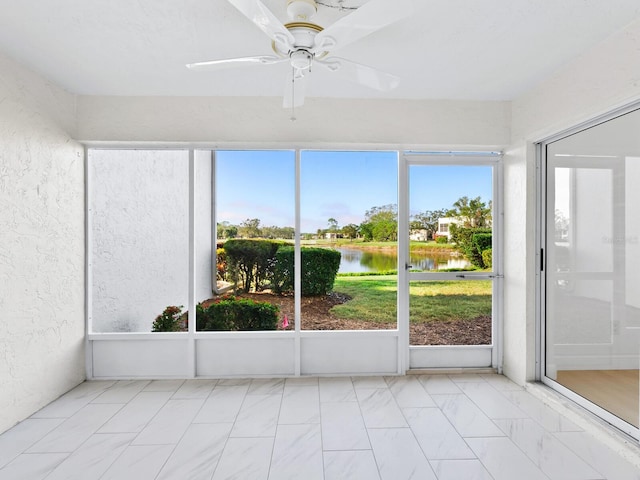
301, 60
301, 10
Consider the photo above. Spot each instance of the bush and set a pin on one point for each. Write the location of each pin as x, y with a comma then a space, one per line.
221, 264
487, 258
482, 241
442, 239
237, 314
170, 320
250, 262
464, 238
319, 269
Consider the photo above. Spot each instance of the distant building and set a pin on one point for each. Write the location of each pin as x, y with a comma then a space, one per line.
419, 235
444, 224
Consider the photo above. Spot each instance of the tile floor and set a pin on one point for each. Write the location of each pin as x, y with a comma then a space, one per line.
446, 427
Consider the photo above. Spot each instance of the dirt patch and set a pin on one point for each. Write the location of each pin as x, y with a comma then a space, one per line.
316, 315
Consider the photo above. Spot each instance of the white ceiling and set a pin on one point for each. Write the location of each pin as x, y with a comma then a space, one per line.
448, 49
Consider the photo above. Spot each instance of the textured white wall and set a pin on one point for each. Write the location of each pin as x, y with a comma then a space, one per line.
139, 202
598, 81
41, 244
204, 232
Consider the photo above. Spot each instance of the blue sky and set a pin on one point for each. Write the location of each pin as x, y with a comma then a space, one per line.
340, 185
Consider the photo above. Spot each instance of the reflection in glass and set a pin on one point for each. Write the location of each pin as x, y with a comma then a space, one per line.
593, 265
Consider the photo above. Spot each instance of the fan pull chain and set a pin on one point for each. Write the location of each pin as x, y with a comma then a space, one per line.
293, 95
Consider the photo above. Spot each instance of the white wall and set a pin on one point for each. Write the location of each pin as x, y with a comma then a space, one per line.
41, 244
601, 79
320, 122
139, 203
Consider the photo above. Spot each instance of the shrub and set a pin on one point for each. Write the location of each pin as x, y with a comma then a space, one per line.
463, 237
319, 269
221, 264
482, 241
237, 314
170, 320
487, 258
442, 239
250, 262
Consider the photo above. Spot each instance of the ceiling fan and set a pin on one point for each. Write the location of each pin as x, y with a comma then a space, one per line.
303, 44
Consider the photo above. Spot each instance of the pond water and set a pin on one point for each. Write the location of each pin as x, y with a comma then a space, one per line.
357, 261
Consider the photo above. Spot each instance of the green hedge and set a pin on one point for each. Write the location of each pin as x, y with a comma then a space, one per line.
237, 314
465, 240
319, 269
487, 258
250, 262
482, 241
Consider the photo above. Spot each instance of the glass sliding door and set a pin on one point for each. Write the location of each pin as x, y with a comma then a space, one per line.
592, 268
450, 271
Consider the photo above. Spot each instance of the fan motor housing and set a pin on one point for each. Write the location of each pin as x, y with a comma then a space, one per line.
304, 35
301, 10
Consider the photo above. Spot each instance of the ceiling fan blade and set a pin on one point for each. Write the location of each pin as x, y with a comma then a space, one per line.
295, 89
258, 13
362, 74
235, 62
372, 16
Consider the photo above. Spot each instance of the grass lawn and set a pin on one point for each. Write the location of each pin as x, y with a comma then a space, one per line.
374, 299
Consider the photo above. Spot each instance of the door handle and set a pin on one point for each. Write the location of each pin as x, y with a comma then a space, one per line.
407, 266
492, 275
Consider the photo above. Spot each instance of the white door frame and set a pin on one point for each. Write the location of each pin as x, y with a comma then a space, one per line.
455, 356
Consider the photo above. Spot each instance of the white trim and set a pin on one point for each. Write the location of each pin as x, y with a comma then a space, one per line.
589, 123
497, 314
494, 160
403, 260
88, 271
540, 243
297, 261
191, 302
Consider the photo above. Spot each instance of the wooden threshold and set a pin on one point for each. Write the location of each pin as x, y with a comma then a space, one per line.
617, 391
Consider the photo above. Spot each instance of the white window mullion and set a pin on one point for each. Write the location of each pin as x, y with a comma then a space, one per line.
403, 260
192, 265
88, 266
297, 262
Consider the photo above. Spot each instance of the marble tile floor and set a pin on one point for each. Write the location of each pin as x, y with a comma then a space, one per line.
446, 427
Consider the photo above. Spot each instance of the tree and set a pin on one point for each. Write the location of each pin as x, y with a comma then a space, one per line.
333, 225
350, 231
366, 230
389, 211
385, 231
381, 223
250, 228
473, 235
226, 230
474, 213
